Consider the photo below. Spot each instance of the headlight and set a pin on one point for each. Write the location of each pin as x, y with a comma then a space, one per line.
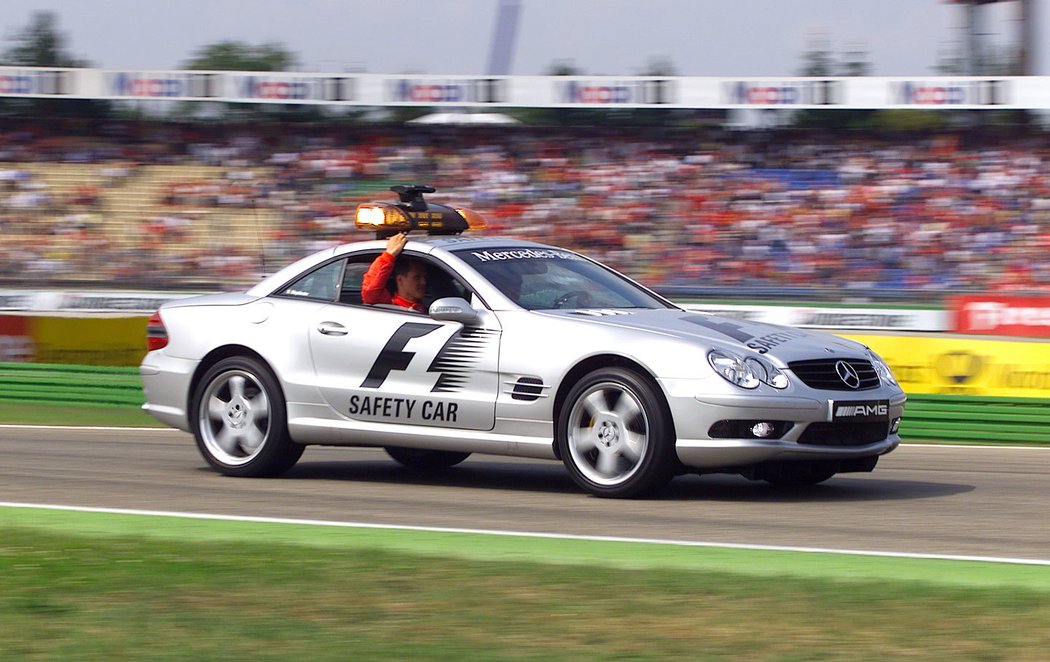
882, 369
767, 373
747, 373
733, 369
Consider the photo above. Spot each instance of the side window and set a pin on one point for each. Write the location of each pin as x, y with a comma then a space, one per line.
321, 283
440, 283
352, 279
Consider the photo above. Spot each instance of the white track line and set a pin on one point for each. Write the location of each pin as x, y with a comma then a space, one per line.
525, 534
89, 428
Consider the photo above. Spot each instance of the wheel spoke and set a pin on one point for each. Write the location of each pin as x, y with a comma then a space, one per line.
595, 403
584, 440
236, 387
627, 408
251, 439
607, 462
228, 441
216, 408
633, 445
258, 404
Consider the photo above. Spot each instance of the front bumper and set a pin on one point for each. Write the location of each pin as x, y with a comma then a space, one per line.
694, 417
726, 453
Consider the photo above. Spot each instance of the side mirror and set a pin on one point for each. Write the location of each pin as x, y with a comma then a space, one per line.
453, 309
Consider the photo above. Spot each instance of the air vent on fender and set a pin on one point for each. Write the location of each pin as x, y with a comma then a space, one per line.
528, 389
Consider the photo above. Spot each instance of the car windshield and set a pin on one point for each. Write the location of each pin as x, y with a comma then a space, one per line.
544, 278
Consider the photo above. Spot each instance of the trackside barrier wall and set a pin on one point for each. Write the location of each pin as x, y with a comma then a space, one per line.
975, 419
70, 384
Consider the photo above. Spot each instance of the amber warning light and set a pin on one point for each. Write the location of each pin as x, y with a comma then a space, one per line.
412, 212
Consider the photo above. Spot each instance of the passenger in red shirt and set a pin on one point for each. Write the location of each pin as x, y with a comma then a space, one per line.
410, 277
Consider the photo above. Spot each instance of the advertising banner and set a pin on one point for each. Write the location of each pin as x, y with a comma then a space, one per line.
1001, 315
34, 82
793, 92
85, 301
965, 366
339, 88
90, 340
883, 319
16, 340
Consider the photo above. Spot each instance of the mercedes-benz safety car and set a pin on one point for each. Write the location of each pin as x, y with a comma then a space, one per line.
524, 349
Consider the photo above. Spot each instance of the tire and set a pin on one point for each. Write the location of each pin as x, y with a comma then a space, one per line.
425, 460
240, 421
614, 435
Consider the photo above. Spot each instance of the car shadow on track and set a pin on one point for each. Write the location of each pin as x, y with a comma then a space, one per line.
551, 478
527, 477
847, 487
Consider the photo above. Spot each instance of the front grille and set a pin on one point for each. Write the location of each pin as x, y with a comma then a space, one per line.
844, 433
823, 374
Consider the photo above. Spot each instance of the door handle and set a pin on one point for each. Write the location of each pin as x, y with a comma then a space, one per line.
332, 329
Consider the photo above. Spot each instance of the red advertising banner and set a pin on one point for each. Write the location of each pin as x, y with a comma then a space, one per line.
16, 339
1002, 315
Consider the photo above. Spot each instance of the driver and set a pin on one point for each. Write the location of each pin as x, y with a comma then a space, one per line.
410, 277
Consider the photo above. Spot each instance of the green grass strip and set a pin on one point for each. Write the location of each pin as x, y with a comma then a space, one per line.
492, 547
67, 596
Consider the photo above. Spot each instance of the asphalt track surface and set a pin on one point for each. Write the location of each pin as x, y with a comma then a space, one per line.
987, 501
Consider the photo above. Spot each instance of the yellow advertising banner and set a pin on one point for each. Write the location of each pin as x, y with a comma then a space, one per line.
96, 340
963, 366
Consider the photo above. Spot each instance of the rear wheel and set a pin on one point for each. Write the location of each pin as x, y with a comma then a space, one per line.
615, 436
239, 420
422, 459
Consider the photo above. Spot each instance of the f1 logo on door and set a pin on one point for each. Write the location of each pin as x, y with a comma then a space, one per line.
416, 373
393, 356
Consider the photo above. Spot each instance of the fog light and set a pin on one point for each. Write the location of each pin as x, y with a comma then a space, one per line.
762, 430
894, 426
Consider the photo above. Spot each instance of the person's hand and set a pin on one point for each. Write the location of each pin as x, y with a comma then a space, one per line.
396, 243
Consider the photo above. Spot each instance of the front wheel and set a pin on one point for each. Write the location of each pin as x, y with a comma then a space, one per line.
615, 436
239, 420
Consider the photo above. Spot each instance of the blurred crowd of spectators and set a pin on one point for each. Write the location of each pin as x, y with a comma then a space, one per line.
843, 213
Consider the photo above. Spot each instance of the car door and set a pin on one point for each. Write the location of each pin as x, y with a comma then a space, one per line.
387, 364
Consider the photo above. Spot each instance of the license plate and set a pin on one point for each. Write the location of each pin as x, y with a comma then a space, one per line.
860, 410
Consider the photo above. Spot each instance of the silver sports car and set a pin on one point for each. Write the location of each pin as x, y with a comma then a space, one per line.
525, 349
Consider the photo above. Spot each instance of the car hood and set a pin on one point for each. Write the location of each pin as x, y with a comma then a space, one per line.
745, 337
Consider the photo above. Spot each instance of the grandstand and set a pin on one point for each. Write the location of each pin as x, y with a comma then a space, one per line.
722, 214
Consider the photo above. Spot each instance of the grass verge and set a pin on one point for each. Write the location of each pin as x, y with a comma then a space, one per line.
79, 586
32, 413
